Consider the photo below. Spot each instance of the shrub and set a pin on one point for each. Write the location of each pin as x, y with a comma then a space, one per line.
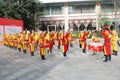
76, 33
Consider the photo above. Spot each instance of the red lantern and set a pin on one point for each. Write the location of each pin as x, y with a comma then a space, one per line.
60, 22
73, 22
54, 22
78, 21
48, 22
91, 21
85, 21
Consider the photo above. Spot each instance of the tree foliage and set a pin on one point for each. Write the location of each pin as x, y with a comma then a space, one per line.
104, 20
25, 10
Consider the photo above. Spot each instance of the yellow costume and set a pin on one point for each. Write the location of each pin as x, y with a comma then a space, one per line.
114, 42
80, 39
42, 42
95, 38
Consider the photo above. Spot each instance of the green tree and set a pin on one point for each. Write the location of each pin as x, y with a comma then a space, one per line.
26, 10
104, 20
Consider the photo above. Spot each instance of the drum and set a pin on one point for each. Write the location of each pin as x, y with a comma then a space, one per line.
95, 47
26, 42
19, 41
45, 45
35, 43
15, 41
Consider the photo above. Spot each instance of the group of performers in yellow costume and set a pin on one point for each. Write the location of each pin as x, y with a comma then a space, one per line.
46, 41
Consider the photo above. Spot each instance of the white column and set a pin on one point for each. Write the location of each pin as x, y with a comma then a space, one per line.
97, 10
50, 11
66, 27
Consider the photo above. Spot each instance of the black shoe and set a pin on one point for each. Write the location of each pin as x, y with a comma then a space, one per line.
32, 53
24, 51
64, 54
93, 54
19, 49
84, 51
58, 47
109, 57
50, 51
15, 48
106, 58
80, 46
116, 53
43, 57
71, 45
113, 53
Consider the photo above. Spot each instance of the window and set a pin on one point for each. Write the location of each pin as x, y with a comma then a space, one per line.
55, 10
46, 11
52, 10
107, 8
79, 9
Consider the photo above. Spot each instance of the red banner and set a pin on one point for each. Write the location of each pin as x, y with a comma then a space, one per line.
10, 26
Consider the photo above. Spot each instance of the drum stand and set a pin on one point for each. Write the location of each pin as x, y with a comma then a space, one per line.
98, 54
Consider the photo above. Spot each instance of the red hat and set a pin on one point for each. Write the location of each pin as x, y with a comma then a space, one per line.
105, 26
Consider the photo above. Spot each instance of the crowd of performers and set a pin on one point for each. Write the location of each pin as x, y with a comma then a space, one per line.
45, 41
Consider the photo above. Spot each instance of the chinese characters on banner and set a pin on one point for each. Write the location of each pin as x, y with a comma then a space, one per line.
10, 26
12, 29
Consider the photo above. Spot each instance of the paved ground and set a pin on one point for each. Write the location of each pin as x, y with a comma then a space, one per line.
15, 65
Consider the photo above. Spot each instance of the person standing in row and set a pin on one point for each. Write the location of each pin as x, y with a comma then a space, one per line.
84, 39
31, 43
50, 41
25, 41
71, 39
15, 43
43, 42
19, 40
80, 38
107, 43
114, 42
65, 44
57, 38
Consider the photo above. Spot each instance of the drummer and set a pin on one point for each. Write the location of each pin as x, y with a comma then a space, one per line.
42, 41
95, 38
84, 39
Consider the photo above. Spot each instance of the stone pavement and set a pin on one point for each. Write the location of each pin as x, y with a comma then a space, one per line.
16, 65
